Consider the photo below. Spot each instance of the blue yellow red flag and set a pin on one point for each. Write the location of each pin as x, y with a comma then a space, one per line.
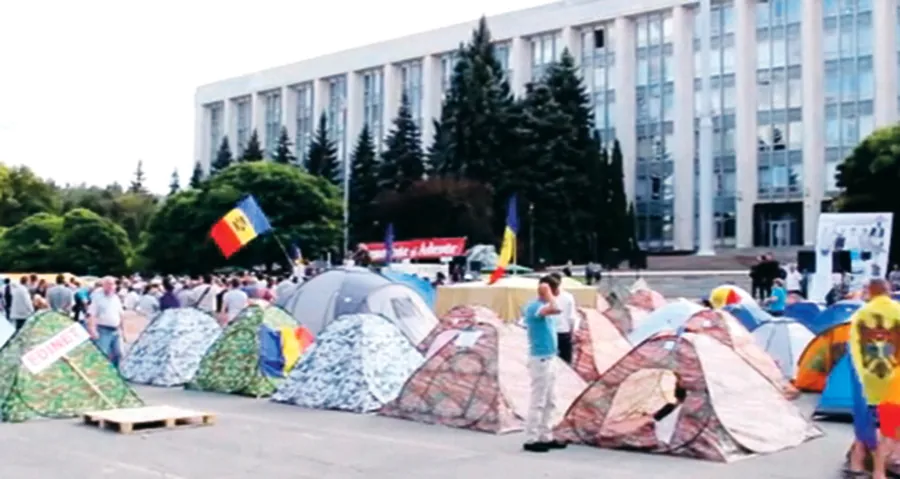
280, 349
240, 226
508, 248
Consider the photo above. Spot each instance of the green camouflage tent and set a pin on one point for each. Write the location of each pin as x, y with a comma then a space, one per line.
233, 364
83, 381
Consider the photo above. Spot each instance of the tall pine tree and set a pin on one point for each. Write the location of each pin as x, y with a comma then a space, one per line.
284, 153
137, 183
197, 176
363, 188
224, 157
322, 158
253, 151
175, 183
402, 162
617, 212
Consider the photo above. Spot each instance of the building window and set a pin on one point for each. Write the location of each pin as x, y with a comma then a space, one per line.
545, 50
243, 124
305, 120
411, 83
598, 70
501, 51
336, 115
215, 112
273, 120
373, 99
448, 64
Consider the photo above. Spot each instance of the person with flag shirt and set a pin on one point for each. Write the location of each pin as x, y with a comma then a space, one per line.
874, 348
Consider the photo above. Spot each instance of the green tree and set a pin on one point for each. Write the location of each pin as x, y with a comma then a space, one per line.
29, 245
22, 194
868, 179
322, 158
175, 183
253, 151
224, 157
131, 211
300, 207
402, 162
91, 244
137, 183
620, 226
284, 151
196, 175
363, 188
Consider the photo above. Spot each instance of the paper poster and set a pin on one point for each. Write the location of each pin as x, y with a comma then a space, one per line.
45, 354
866, 236
467, 339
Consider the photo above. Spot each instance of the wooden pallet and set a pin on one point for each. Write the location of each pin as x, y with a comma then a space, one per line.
126, 421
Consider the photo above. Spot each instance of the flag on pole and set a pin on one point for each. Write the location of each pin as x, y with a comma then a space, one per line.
508, 249
240, 226
389, 244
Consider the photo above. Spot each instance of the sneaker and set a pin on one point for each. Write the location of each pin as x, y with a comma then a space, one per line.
535, 447
556, 445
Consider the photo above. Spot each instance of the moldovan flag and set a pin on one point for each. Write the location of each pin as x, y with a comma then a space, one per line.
240, 226
281, 348
508, 249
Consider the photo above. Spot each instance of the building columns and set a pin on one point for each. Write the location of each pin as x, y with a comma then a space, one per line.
626, 99
745, 134
813, 71
683, 111
520, 63
431, 97
884, 49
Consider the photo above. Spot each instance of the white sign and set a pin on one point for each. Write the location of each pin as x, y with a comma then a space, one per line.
43, 355
866, 236
467, 339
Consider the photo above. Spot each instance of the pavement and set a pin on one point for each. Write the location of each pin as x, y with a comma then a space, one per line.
261, 439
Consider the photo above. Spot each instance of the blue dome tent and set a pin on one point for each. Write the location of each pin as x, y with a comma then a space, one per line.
804, 312
417, 284
750, 315
836, 401
837, 313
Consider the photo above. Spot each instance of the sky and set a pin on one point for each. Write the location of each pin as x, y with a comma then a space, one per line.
90, 87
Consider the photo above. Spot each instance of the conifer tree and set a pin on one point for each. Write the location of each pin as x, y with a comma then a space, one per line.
175, 183
363, 188
322, 158
402, 162
224, 157
253, 151
617, 210
197, 176
284, 153
137, 183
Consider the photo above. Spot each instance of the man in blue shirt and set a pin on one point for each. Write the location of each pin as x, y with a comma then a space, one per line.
542, 351
778, 301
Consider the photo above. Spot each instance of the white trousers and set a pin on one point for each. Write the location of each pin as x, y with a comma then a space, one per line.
540, 410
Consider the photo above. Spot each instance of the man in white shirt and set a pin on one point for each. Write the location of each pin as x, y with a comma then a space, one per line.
285, 288
234, 300
566, 321
203, 295
793, 280
104, 320
20, 306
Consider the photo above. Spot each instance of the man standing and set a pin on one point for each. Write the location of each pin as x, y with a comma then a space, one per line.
566, 321
60, 297
234, 300
778, 301
104, 319
20, 305
542, 351
203, 296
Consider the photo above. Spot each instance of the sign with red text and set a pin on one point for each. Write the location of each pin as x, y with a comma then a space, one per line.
431, 248
45, 354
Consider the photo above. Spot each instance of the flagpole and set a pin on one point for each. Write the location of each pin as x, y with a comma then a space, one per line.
283, 249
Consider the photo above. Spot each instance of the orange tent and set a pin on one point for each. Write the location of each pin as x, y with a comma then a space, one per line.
820, 355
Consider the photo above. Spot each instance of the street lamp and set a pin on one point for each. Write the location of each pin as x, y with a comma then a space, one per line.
705, 148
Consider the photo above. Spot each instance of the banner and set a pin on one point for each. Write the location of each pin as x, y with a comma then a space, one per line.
431, 248
43, 355
867, 236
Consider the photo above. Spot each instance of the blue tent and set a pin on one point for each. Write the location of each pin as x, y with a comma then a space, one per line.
837, 313
804, 312
836, 401
749, 314
417, 284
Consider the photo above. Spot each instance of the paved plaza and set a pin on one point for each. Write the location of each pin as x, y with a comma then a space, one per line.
261, 439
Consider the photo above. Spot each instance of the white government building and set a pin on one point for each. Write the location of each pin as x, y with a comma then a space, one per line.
796, 84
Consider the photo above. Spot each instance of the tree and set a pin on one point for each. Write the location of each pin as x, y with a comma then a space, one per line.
253, 151
137, 184
363, 188
175, 183
868, 179
300, 207
402, 162
224, 157
91, 244
22, 194
322, 159
131, 211
196, 175
29, 245
284, 153
620, 226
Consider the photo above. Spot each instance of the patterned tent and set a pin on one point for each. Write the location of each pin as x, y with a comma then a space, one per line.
358, 364
598, 345
239, 361
458, 317
642, 296
169, 351
6, 329
84, 380
477, 378
689, 396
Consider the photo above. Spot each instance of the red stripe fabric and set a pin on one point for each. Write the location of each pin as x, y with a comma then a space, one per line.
225, 237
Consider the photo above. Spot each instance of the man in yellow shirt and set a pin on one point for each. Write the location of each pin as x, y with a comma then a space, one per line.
874, 347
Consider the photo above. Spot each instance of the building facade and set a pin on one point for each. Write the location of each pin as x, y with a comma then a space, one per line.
796, 84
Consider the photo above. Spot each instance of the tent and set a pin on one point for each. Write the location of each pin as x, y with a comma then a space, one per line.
253, 354
458, 317
353, 290
6, 329
507, 296
359, 363
598, 345
477, 378
643, 297
81, 380
169, 351
750, 315
728, 294
414, 282
820, 356
803, 311
836, 401
784, 340
670, 317
837, 313
687, 395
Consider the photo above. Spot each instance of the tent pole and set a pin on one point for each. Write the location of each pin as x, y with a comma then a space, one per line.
90, 383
